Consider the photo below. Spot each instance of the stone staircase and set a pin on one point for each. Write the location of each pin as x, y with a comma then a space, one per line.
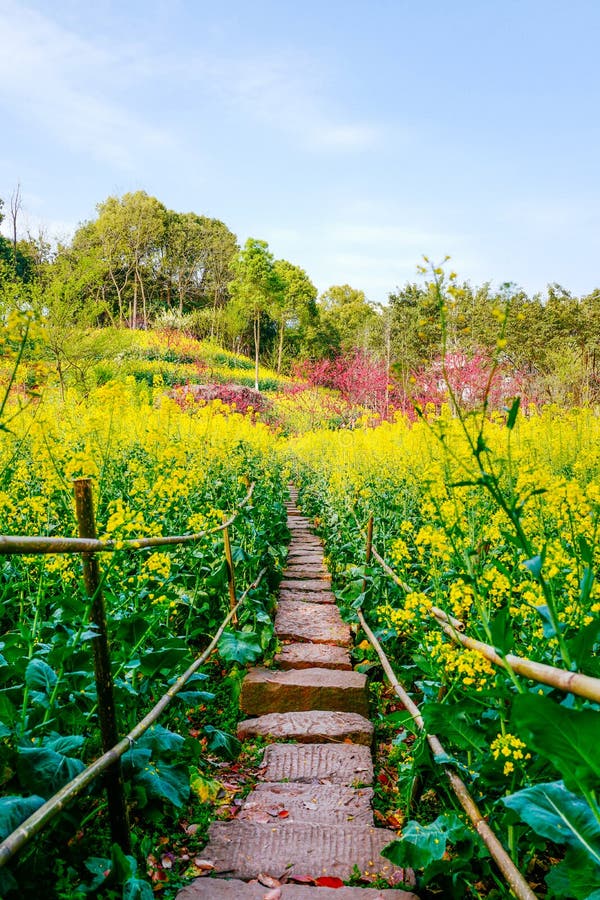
311, 815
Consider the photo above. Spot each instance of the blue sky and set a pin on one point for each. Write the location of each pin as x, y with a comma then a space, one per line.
352, 136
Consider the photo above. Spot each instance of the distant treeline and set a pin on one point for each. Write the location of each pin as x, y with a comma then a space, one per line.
138, 264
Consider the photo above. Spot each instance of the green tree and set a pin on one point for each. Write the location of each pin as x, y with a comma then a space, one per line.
350, 314
297, 307
256, 289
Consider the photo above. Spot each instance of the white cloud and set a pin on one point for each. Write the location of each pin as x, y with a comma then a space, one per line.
55, 79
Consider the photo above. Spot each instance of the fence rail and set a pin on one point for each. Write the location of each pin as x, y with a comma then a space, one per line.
109, 763
553, 676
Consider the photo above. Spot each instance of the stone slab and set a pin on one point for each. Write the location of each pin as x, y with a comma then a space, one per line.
311, 726
309, 584
294, 690
231, 889
299, 594
330, 804
306, 656
244, 849
301, 570
318, 623
349, 764
304, 556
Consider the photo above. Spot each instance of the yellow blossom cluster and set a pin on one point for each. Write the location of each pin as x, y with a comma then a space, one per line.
510, 750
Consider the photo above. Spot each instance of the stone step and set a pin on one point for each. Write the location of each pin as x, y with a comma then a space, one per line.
308, 584
309, 727
300, 555
302, 570
330, 804
308, 656
219, 889
317, 623
299, 594
245, 849
294, 690
349, 764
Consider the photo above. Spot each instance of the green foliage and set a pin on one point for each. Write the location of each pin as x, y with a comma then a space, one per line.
240, 646
569, 738
556, 813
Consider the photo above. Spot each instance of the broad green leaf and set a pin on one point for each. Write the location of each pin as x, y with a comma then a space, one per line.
422, 844
535, 565
452, 720
166, 660
164, 782
8, 712
569, 738
574, 877
240, 646
194, 697
14, 811
39, 676
222, 742
559, 815
64, 745
46, 771
160, 740
136, 889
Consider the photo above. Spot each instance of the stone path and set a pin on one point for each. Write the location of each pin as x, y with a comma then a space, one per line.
311, 814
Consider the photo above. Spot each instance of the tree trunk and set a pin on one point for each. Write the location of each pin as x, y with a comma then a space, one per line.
256, 346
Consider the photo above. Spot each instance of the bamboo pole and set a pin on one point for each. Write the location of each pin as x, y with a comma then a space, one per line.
23, 544
513, 877
230, 573
574, 682
36, 822
113, 779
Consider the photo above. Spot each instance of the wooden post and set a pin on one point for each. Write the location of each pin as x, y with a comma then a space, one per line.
113, 779
230, 574
369, 551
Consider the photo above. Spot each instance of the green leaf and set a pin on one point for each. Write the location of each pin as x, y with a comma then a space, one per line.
194, 697
240, 646
164, 782
422, 844
501, 629
162, 660
569, 738
574, 878
559, 815
222, 742
64, 745
39, 676
160, 740
513, 413
581, 647
8, 712
46, 771
14, 811
452, 720
534, 565
136, 889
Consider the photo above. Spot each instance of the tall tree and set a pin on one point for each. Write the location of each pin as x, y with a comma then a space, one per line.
349, 312
256, 288
297, 307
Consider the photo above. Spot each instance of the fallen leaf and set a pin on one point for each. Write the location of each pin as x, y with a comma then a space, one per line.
283, 814
301, 879
268, 880
329, 881
204, 864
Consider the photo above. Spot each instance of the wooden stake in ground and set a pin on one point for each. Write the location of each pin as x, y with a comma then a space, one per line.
113, 779
230, 574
